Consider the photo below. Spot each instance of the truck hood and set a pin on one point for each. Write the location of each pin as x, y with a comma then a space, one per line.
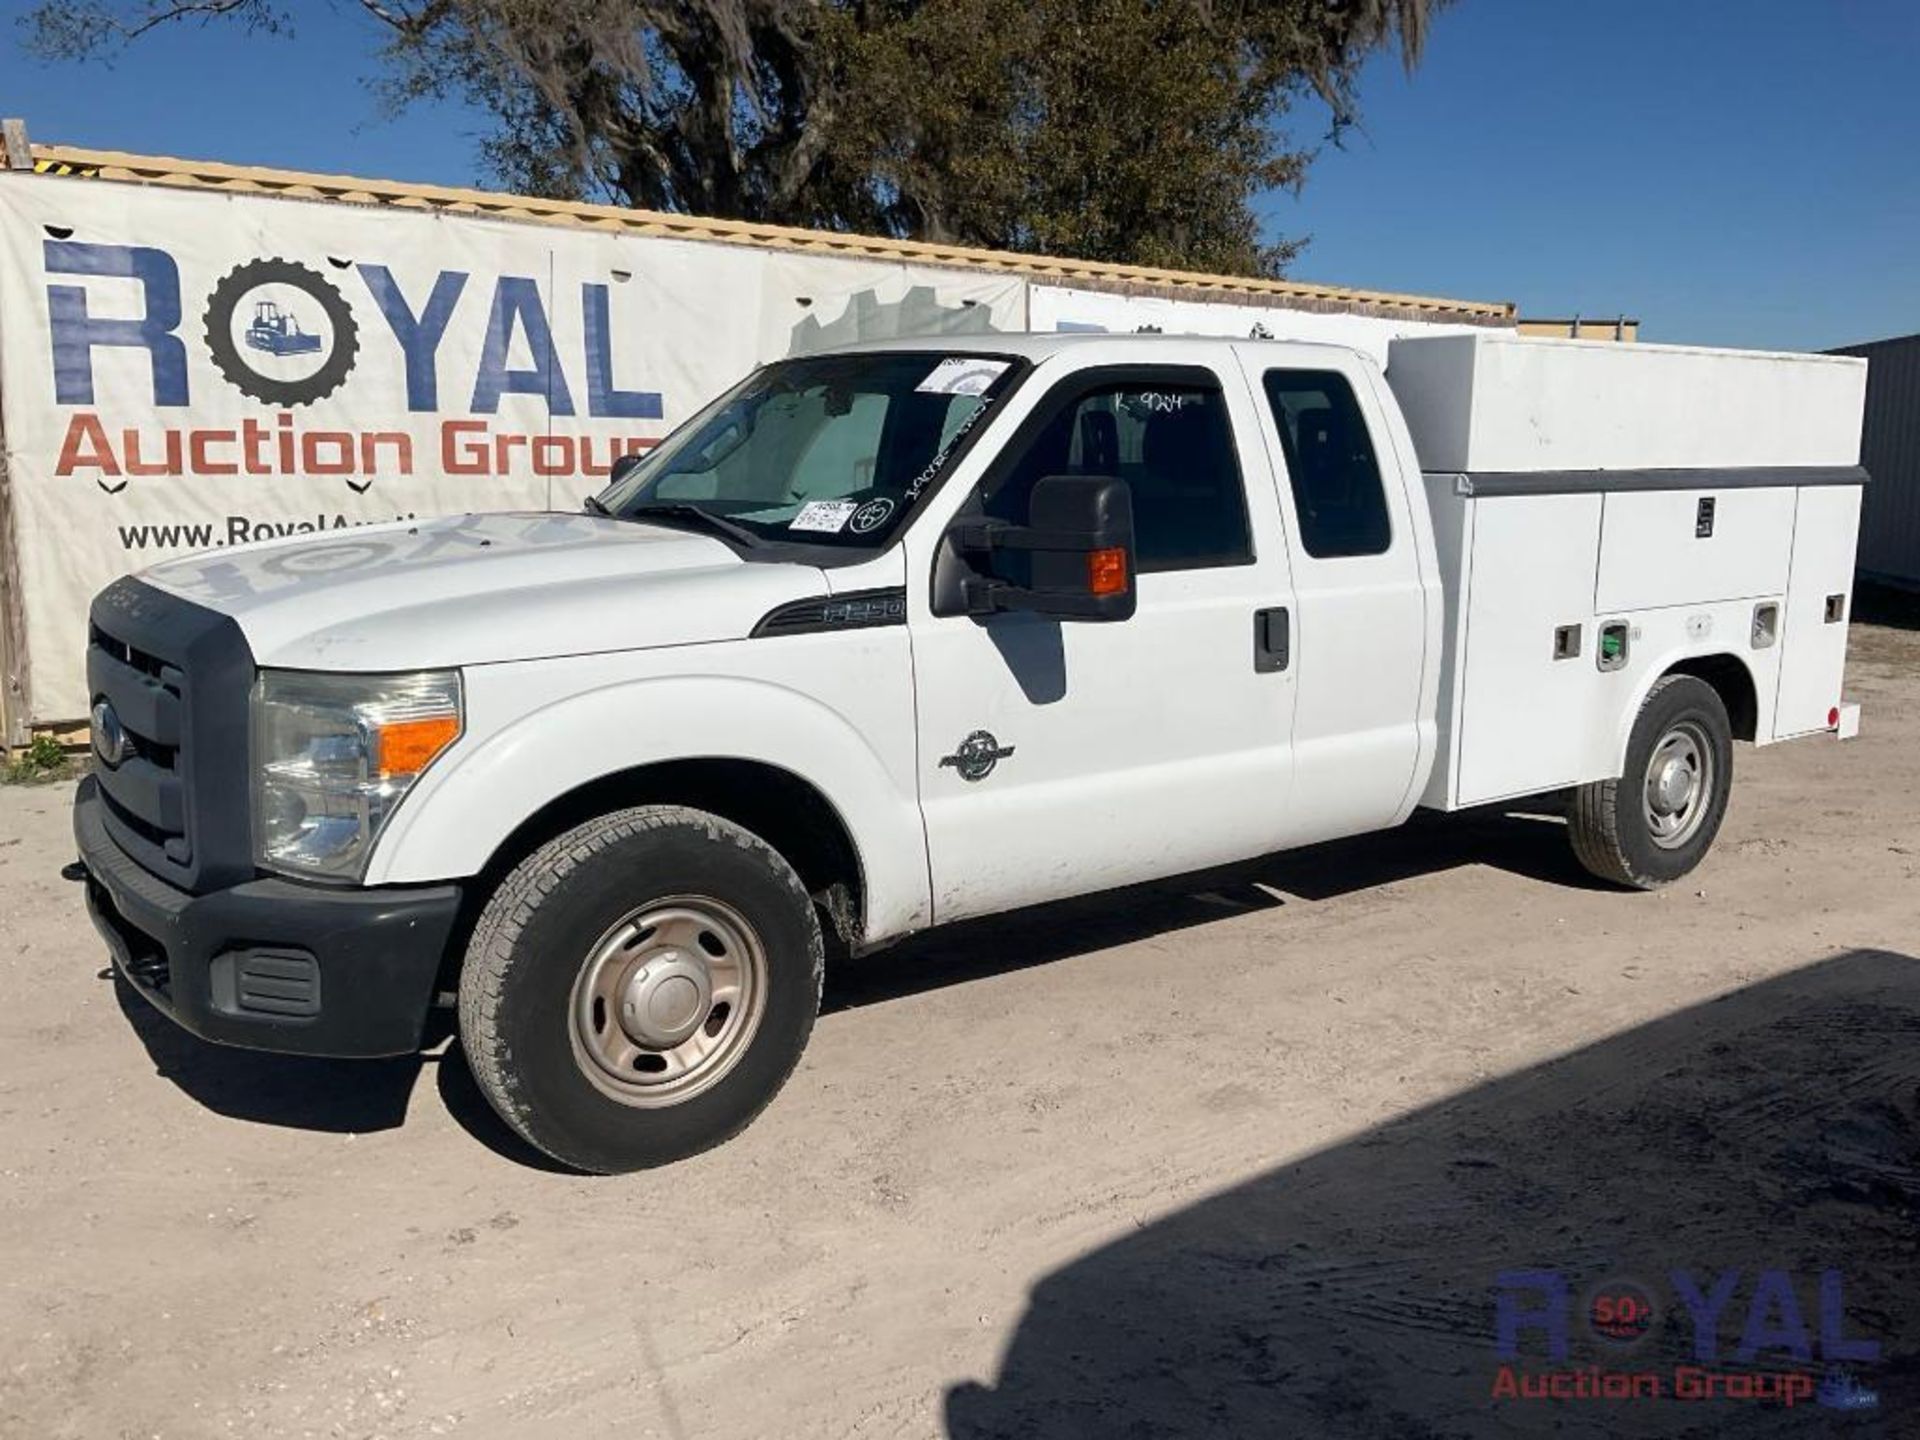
474, 589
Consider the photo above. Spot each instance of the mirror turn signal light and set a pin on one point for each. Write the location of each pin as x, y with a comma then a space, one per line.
1107, 571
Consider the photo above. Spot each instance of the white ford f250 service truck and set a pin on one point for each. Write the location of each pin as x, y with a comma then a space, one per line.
895, 635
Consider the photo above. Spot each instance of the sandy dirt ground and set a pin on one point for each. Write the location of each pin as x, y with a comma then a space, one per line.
1246, 1156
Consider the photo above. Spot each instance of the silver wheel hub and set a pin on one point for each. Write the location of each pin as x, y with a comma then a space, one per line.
668, 1000
1672, 787
1679, 785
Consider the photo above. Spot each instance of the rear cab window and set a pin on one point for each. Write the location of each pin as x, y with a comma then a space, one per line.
1332, 468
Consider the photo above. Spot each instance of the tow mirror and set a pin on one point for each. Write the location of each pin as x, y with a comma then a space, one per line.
1072, 560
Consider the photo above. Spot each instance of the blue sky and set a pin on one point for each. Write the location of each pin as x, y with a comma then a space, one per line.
1730, 173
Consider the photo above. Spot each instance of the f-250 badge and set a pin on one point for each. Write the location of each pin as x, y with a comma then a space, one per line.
977, 755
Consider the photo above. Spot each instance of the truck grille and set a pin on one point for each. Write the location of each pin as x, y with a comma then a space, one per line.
144, 789
175, 676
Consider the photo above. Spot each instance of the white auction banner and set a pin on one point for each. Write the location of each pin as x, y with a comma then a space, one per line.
1056, 307
183, 370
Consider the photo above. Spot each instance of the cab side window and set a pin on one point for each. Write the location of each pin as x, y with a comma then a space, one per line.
1330, 463
1170, 440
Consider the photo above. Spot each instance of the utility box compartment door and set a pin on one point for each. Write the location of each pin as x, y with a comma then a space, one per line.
1689, 547
1528, 721
1813, 632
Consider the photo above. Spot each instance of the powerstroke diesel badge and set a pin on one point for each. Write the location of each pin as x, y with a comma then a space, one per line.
977, 755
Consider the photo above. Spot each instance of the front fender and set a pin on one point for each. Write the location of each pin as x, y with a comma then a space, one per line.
515, 760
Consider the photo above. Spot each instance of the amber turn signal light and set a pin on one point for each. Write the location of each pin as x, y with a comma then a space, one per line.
1107, 571
405, 747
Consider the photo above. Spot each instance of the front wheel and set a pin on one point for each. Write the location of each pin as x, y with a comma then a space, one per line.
639, 988
1657, 821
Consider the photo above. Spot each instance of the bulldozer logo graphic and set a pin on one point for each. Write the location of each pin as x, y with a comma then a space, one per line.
280, 332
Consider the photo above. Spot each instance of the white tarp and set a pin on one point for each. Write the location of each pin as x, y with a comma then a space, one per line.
183, 370
1051, 307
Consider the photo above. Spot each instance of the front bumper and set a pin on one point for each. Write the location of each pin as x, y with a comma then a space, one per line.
270, 964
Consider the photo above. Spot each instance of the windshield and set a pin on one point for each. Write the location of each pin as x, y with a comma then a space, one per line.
827, 450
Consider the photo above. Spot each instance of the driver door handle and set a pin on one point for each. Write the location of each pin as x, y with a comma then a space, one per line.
1272, 640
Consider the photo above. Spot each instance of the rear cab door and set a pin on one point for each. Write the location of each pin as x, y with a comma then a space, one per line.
1366, 585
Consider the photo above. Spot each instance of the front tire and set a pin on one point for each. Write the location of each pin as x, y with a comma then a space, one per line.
639, 988
1658, 820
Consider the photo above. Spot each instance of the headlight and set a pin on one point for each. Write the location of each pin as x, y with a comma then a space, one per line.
334, 755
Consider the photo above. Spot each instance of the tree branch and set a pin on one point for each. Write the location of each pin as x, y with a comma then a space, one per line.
208, 8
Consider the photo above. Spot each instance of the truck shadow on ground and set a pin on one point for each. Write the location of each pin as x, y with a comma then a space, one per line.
336, 1096
340, 1097
1352, 1293
364, 1096
1532, 845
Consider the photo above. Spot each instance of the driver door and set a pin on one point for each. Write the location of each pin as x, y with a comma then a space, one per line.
1061, 757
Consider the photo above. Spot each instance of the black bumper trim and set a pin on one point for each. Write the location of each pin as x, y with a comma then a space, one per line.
375, 953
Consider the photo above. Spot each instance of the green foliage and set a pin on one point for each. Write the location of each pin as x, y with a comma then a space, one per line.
38, 761
1120, 130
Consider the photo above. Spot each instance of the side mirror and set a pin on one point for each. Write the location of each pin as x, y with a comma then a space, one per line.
1072, 560
622, 467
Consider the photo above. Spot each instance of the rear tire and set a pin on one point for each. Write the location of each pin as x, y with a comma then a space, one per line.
1658, 820
639, 988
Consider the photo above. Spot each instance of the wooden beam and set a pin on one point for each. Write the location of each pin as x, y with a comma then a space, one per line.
292, 184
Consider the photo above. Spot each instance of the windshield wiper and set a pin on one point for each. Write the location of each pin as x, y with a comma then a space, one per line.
594, 505
692, 516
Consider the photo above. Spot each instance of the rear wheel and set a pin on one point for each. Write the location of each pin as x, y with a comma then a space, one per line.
640, 988
1658, 820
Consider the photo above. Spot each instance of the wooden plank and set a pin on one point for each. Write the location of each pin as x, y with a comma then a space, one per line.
15, 682
70, 735
215, 175
13, 134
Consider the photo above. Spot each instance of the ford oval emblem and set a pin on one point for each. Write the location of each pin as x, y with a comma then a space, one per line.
109, 735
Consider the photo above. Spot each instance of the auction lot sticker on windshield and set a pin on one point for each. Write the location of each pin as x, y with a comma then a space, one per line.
962, 375
828, 515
